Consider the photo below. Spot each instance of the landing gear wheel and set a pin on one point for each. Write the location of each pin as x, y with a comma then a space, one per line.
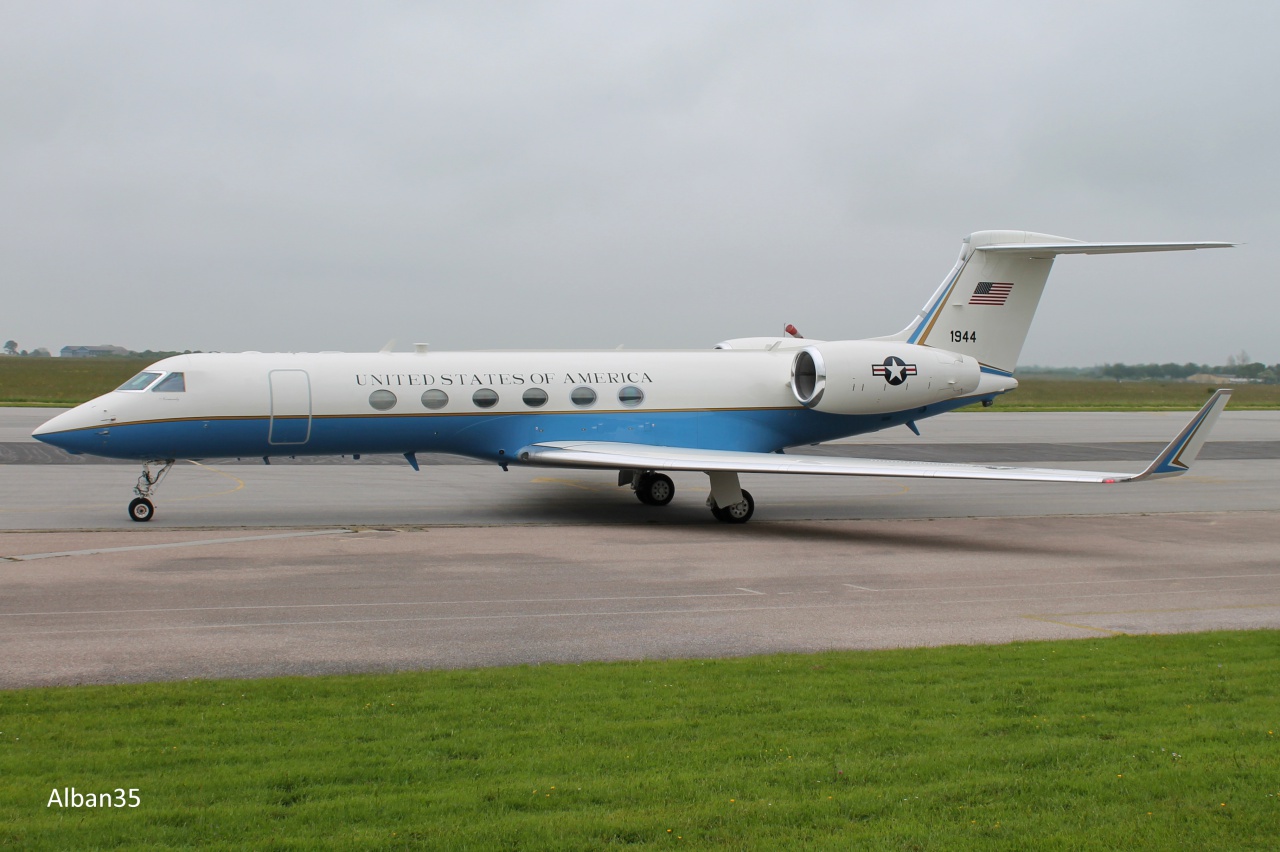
655, 489
141, 509
738, 513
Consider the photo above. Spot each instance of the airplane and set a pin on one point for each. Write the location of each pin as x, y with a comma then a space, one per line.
736, 408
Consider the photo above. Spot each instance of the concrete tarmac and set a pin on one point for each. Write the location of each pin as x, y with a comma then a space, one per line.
301, 568
156, 605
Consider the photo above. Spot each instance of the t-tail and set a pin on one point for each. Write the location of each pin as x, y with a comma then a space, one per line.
984, 307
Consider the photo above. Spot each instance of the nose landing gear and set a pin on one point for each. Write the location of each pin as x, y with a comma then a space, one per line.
141, 508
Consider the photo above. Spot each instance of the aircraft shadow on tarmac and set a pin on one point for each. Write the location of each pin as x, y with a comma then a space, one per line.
590, 507
905, 539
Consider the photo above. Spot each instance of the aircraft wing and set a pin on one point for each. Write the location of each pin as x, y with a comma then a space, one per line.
1173, 460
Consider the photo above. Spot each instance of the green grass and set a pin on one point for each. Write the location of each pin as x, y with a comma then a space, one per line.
63, 381
1119, 743
1036, 394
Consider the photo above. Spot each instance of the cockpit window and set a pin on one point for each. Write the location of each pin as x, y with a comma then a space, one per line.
172, 383
139, 382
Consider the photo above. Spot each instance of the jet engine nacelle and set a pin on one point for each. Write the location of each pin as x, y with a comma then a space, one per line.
878, 377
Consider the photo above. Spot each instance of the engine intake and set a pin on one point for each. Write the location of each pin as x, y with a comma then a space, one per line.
808, 377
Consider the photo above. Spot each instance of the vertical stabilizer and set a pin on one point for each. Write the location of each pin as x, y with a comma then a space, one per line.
984, 307
986, 310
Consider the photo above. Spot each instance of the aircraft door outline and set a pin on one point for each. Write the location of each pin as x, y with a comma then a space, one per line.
290, 407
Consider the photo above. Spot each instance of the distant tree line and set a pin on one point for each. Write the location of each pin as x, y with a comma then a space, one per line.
11, 348
155, 355
1241, 367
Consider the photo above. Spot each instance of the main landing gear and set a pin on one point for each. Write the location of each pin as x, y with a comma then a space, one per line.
653, 489
737, 513
141, 508
728, 503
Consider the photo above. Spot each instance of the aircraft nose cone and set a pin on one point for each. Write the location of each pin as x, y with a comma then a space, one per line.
67, 431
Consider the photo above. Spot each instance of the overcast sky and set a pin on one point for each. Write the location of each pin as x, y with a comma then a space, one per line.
308, 176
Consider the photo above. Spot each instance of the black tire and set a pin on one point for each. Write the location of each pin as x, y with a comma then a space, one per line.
659, 489
655, 489
738, 514
142, 509
642, 489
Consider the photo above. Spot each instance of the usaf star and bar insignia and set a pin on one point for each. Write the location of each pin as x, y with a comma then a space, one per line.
894, 370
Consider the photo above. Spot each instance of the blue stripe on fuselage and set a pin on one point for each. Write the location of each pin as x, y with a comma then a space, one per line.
493, 437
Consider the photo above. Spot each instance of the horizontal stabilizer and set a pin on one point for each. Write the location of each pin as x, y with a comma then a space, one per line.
1050, 249
1173, 460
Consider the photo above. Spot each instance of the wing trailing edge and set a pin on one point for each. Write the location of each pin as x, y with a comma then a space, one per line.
1174, 460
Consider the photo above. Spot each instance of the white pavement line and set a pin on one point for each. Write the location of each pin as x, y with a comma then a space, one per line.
201, 543
379, 603
1073, 583
750, 591
599, 614
421, 618
863, 588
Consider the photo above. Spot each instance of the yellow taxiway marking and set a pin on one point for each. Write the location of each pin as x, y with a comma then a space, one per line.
237, 480
1048, 619
570, 483
1071, 624
79, 506
27, 557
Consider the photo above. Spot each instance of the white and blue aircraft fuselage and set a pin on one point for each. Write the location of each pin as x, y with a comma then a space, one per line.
730, 410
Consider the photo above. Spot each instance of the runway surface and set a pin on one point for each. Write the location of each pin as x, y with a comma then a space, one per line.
359, 566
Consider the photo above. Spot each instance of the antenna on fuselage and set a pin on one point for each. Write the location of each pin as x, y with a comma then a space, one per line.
390, 345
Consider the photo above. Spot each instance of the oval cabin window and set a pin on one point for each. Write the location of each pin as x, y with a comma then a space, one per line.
382, 400
631, 396
434, 399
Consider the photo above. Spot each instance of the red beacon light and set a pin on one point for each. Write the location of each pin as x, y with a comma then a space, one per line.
791, 330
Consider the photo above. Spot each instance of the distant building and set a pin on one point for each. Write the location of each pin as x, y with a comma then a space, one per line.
1211, 379
92, 351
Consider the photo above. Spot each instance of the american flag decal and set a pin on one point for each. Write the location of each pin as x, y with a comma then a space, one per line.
988, 293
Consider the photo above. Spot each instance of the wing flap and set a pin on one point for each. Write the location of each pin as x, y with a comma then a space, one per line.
1173, 460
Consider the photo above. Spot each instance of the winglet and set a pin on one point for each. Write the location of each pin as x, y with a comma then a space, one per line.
1176, 458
